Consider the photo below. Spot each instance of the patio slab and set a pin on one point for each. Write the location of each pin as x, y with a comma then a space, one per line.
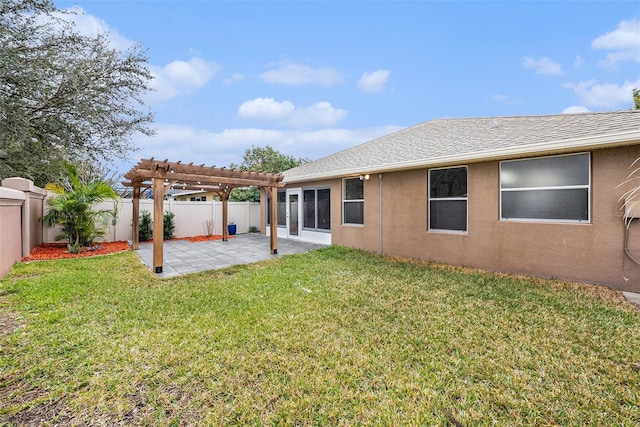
183, 256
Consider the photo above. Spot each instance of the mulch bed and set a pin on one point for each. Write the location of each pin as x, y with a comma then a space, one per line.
49, 251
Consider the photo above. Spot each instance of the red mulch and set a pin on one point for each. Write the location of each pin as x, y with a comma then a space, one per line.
59, 250
48, 251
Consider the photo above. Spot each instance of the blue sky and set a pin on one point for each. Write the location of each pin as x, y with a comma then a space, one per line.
311, 78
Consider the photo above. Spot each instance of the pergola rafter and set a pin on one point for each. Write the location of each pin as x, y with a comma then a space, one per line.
162, 175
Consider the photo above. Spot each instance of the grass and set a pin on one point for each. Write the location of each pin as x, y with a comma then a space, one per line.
331, 337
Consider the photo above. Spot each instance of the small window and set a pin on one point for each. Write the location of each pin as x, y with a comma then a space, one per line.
555, 188
324, 209
282, 208
317, 209
309, 208
353, 201
268, 208
448, 199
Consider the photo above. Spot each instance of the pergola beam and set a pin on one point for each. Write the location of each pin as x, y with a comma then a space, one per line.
199, 179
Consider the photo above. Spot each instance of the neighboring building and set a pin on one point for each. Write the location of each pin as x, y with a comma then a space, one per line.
535, 195
193, 196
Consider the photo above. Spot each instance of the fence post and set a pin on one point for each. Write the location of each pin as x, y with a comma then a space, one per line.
32, 211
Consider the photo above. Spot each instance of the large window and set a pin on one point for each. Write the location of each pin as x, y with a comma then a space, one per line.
448, 199
317, 209
353, 201
553, 188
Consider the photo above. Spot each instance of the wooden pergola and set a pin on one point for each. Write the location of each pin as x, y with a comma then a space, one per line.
162, 175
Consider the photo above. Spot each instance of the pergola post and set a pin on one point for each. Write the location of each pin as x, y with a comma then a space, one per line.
273, 193
158, 223
225, 215
135, 230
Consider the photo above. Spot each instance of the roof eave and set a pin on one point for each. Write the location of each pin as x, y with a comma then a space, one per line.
554, 147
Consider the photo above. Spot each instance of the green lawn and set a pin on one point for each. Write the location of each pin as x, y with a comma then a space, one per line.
331, 337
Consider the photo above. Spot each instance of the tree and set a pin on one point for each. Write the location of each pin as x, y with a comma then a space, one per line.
262, 159
636, 98
71, 208
64, 96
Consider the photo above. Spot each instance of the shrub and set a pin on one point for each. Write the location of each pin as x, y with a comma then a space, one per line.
208, 227
70, 206
145, 230
169, 225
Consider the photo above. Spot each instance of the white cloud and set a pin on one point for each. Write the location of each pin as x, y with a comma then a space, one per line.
265, 109
318, 114
577, 63
374, 81
179, 77
188, 144
235, 77
544, 65
173, 79
506, 100
88, 25
286, 113
623, 42
627, 35
575, 109
292, 74
605, 95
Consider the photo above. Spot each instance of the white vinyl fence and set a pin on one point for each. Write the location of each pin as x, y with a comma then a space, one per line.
190, 218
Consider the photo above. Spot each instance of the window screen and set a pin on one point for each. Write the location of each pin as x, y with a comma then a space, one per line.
546, 188
448, 199
353, 201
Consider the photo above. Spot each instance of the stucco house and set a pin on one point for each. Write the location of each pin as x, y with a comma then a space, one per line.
535, 195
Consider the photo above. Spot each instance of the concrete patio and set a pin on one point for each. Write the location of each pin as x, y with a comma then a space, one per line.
183, 256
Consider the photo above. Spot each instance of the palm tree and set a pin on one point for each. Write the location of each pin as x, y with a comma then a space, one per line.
70, 207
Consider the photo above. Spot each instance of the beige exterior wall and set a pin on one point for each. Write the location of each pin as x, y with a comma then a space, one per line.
11, 202
32, 210
586, 252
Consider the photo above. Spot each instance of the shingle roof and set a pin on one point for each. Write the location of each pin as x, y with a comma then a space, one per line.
445, 141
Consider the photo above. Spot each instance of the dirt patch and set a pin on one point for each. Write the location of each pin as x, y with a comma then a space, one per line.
9, 323
52, 413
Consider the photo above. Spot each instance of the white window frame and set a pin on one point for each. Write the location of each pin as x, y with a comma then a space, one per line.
559, 187
315, 228
465, 199
344, 200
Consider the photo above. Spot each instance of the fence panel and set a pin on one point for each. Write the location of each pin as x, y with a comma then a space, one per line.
190, 218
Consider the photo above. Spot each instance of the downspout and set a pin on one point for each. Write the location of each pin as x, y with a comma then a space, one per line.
380, 191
